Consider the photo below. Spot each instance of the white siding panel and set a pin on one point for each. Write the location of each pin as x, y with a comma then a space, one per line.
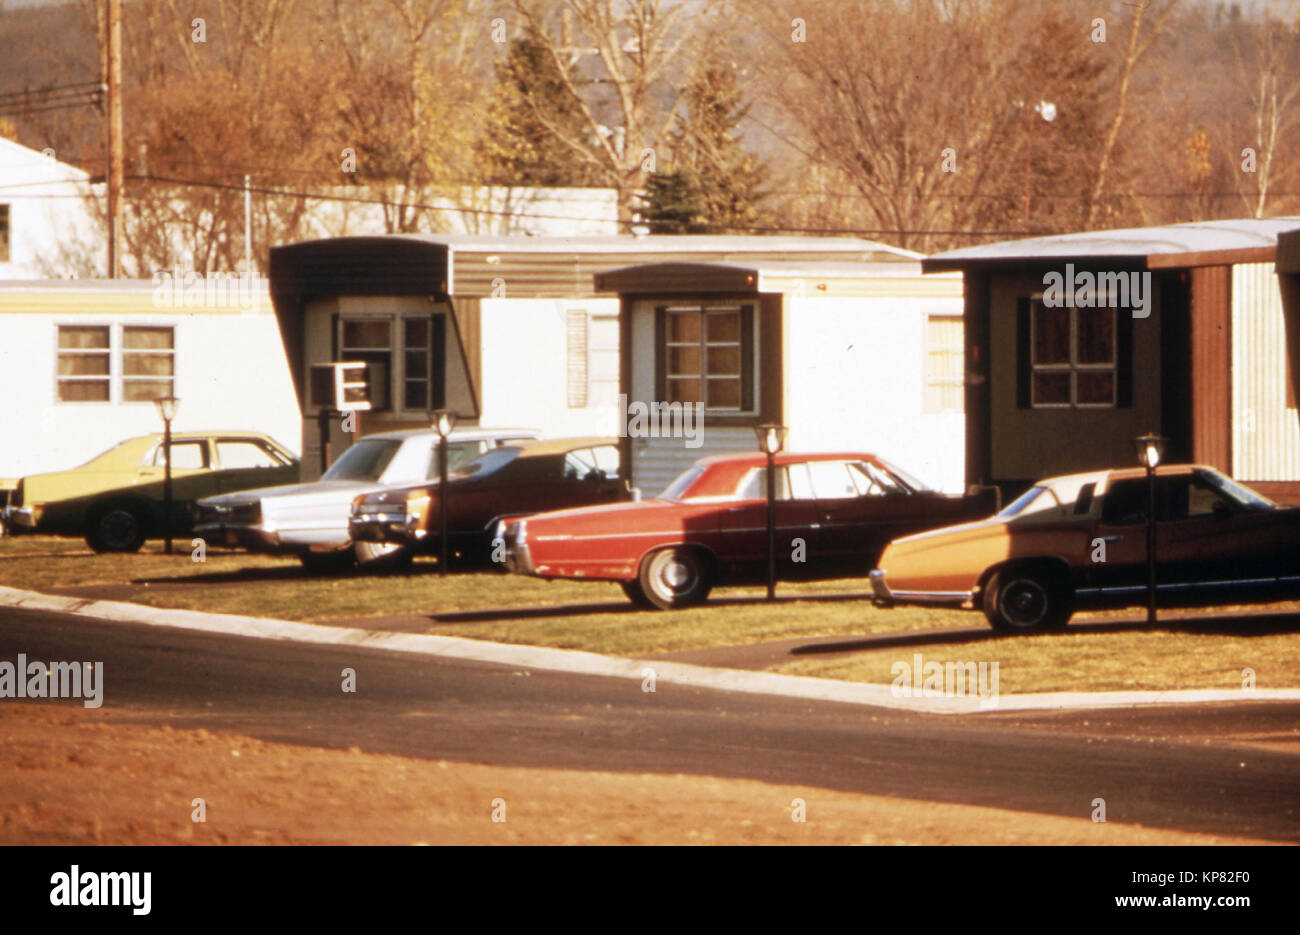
856, 382
525, 353
1266, 434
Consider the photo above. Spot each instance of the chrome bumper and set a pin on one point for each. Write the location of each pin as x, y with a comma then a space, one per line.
19, 517
386, 527
252, 538
885, 596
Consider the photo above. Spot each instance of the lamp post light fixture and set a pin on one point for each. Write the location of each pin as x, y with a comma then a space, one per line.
167, 406
444, 420
771, 440
1151, 449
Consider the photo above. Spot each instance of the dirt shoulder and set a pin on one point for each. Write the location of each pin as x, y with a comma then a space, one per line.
72, 776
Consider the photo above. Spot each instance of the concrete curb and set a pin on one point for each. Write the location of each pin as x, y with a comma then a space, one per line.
585, 663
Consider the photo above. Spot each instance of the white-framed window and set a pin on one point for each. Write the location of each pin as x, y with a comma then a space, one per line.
148, 362
403, 355
1073, 357
84, 373
106, 363
944, 354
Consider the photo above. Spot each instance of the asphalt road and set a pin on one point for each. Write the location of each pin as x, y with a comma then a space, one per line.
1189, 768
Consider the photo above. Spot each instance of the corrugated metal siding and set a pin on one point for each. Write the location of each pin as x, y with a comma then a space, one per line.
532, 274
1266, 434
657, 461
1211, 367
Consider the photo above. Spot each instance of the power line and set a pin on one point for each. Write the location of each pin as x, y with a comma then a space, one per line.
875, 232
44, 100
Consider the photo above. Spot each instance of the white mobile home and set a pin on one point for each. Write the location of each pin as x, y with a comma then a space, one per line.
526, 332
849, 356
82, 360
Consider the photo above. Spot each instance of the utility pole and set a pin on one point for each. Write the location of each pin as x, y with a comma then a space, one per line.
116, 162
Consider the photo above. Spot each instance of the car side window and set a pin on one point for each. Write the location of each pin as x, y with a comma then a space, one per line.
583, 465
186, 456
754, 484
831, 480
1083, 503
872, 481
800, 482
239, 454
1204, 500
1126, 501
607, 460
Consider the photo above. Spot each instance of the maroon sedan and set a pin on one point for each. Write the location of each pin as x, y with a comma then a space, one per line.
834, 513
509, 481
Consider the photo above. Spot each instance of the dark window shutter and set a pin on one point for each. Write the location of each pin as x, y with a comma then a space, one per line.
661, 351
438, 378
747, 358
1123, 358
1024, 359
334, 337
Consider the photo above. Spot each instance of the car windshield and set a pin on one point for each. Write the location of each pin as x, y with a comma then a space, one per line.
1235, 491
364, 461
683, 482
1033, 500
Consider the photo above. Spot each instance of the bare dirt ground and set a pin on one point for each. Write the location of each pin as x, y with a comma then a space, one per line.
76, 776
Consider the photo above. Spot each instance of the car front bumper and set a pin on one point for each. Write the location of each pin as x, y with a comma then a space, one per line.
885, 596
518, 559
387, 527
20, 518
240, 536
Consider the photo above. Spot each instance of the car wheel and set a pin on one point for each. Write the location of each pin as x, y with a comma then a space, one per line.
328, 563
118, 527
634, 593
1024, 600
675, 577
383, 556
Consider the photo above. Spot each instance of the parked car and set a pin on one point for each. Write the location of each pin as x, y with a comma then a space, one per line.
502, 484
1080, 541
311, 520
833, 514
116, 499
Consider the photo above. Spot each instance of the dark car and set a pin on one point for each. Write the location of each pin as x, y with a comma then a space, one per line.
504, 483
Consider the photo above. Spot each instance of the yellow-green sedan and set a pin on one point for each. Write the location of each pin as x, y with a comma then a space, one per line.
116, 500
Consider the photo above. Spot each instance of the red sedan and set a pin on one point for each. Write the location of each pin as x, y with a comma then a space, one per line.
834, 513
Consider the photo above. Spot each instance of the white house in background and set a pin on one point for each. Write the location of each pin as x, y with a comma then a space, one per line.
80, 362
46, 228
845, 341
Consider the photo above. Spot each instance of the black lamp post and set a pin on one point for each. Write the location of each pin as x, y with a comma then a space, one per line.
167, 406
1151, 448
771, 439
444, 421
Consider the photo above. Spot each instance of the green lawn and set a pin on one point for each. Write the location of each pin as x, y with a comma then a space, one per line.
595, 616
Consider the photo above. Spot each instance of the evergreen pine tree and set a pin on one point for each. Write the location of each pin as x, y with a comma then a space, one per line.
533, 111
